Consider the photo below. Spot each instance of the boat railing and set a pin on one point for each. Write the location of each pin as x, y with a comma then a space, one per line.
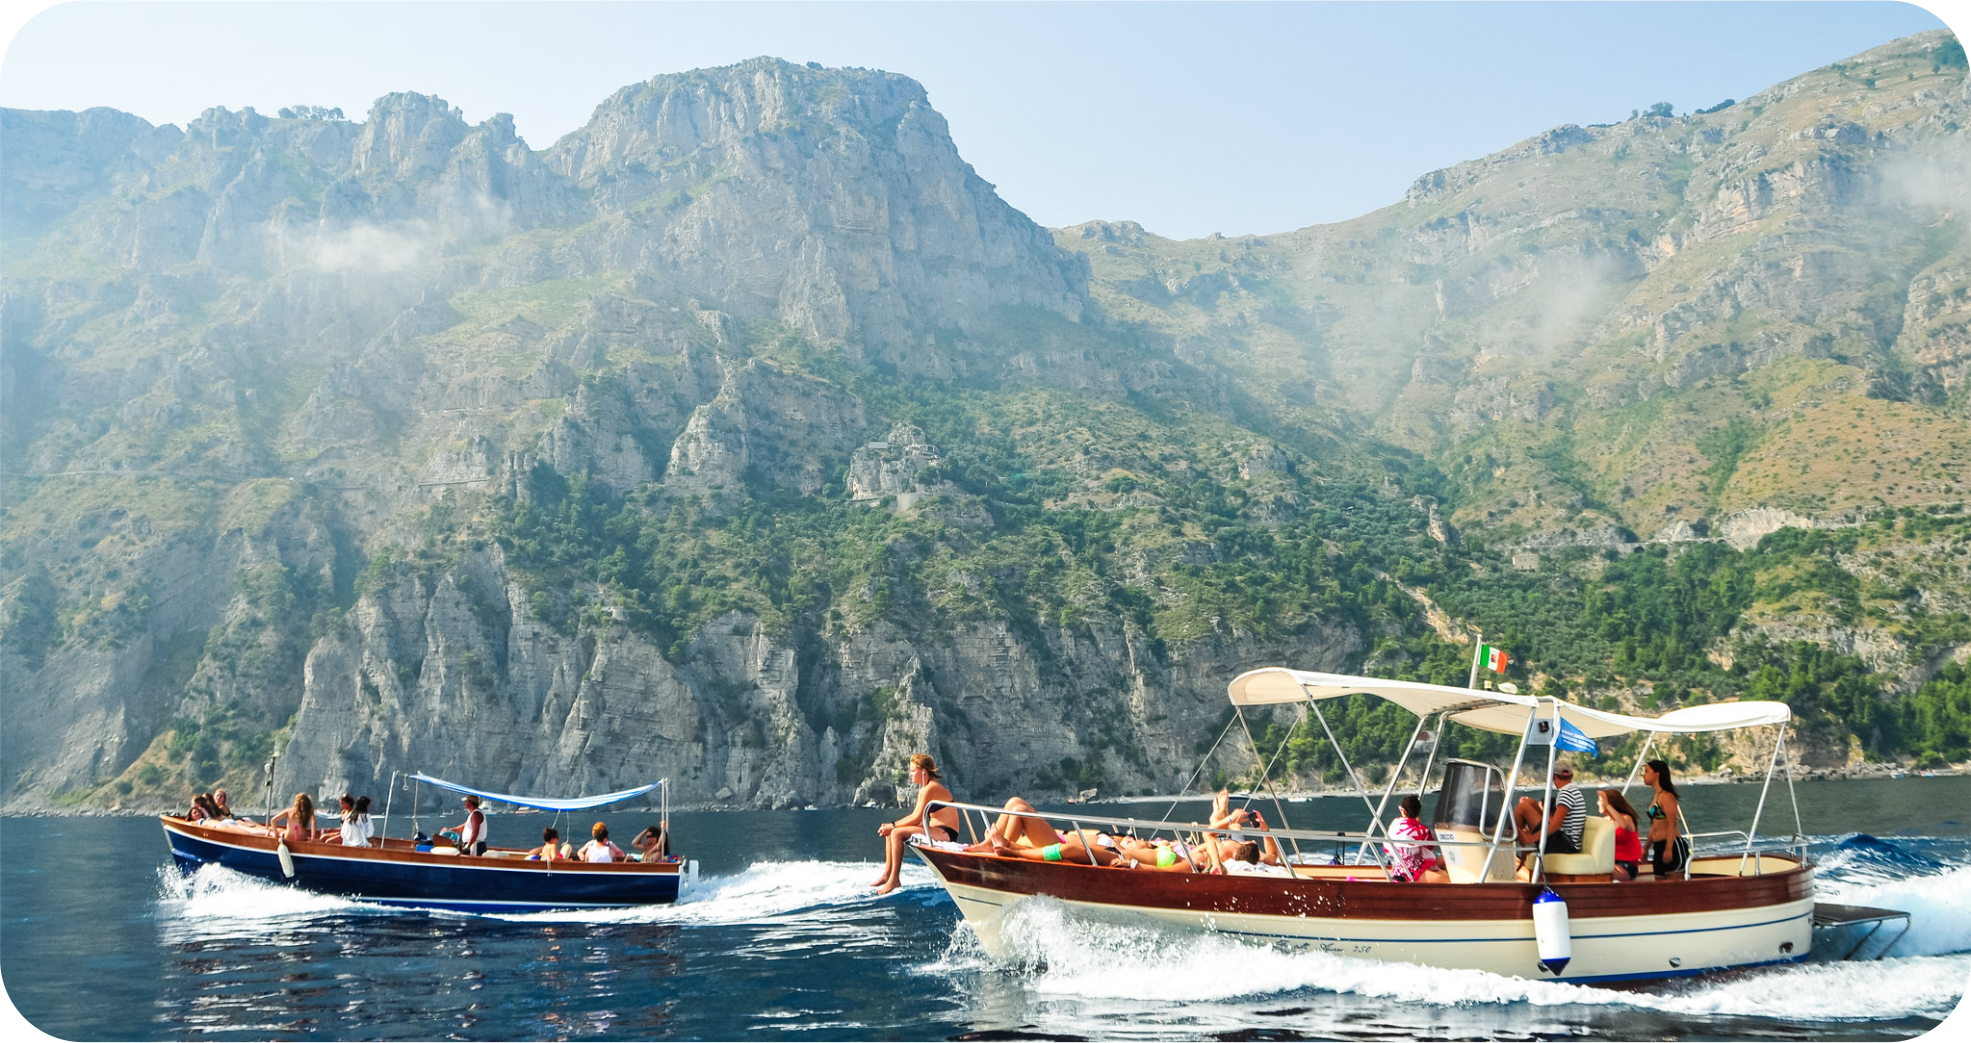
1076, 821
1724, 841
1341, 839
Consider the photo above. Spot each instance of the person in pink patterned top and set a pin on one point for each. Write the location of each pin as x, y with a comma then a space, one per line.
1413, 862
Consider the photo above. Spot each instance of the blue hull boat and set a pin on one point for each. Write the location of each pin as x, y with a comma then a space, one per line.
396, 873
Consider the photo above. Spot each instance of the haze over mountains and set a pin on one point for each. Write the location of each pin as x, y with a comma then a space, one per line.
746, 437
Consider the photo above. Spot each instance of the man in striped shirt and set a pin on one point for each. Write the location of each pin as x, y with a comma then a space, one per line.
1562, 827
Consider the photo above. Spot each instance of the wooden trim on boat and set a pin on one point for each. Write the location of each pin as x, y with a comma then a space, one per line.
1371, 899
402, 851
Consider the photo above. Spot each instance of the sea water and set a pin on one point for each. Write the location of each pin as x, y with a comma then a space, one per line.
100, 938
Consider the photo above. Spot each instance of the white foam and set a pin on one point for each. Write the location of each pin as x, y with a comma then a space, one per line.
1939, 909
219, 902
1063, 956
760, 892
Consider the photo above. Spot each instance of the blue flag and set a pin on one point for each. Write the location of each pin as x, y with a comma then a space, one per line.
1572, 738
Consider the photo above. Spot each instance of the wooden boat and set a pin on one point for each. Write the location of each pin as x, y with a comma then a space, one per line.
1736, 908
403, 871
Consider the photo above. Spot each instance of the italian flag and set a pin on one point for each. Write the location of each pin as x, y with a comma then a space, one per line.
1494, 659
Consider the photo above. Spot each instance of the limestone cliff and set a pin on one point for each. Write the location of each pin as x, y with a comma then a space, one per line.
745, 436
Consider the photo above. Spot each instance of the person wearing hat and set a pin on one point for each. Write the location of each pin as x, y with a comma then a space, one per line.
1562, 827
941, 824
472, 832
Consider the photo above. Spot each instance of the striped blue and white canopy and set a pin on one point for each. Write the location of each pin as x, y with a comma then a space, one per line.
543, 803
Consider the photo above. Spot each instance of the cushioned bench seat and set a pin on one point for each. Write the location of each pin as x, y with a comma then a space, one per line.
1597, 857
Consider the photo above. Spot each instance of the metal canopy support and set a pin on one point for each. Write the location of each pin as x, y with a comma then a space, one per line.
1799, 830
1376, 822
1546, 803
1505, 808
1352, 777
1266, 769
389, 798
1641, 759
1437, 737
1753, 833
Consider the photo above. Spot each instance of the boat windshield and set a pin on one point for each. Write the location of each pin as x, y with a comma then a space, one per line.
1471, 797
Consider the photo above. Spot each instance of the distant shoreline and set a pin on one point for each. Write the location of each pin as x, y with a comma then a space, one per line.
1855, 773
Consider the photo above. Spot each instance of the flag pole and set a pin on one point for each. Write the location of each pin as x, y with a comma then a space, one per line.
1478, 649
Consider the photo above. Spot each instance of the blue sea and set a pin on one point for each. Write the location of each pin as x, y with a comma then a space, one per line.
100, 938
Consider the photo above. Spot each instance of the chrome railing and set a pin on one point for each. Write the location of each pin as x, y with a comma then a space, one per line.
1340, 839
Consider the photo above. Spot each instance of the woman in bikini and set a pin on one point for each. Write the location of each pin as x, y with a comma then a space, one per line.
941, 824
296, 823
1668, 848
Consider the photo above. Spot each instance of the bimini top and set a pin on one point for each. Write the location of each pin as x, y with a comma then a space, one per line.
1493, 711
543, 803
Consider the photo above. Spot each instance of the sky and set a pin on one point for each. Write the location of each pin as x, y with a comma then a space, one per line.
1190, 118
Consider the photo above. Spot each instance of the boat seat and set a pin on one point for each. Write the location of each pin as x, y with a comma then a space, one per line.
1597, 857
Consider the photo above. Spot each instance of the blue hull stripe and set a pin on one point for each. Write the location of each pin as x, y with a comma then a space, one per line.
1521, 938
467, 887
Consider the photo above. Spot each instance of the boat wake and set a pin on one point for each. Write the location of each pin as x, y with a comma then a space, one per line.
762, 892
216, 902
215, 897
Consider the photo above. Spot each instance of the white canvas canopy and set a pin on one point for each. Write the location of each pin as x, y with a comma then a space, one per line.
1493, 711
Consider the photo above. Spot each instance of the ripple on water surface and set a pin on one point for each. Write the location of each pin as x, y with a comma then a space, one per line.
790, 942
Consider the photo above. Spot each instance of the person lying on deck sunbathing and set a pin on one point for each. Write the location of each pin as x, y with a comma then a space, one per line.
1224, 816
1021, 833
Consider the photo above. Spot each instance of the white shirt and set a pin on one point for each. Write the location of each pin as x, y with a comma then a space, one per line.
470, 836
597, 851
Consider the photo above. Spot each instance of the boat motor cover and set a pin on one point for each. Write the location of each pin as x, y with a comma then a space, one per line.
543, 803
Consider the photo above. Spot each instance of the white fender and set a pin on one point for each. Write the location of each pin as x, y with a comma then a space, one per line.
1550, 931
287, 859
691, 871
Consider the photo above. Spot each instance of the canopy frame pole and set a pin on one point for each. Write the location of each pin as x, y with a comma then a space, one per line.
1750, 834
1505, 806
1382, 805
1350, 768
1547, 801
1423, 780
1799, 830
389, 798
1641, 759
1206, 759
1266, 770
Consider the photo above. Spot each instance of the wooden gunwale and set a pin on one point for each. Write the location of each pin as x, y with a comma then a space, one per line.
400, 850
1363, 899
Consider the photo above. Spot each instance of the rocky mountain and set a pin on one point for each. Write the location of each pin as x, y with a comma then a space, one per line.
746, 437
1652, 325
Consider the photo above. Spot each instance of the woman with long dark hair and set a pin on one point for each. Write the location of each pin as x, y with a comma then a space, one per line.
1669, 849
1628, 844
